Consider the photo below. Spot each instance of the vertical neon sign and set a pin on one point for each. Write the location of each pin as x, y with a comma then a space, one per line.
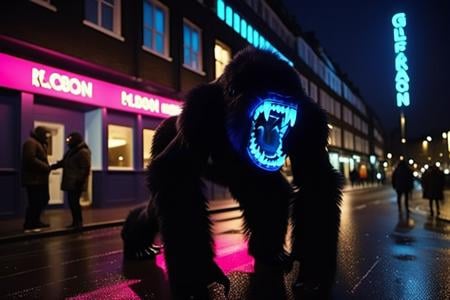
401, 67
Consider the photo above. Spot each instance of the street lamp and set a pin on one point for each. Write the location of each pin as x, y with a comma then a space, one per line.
429, 138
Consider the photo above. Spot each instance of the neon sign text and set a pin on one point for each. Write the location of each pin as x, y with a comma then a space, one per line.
401, 66
140, 102
61, 83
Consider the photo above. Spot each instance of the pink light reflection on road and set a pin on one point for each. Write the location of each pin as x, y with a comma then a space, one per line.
231, 255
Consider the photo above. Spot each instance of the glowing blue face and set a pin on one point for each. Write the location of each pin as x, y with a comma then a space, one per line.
271, 118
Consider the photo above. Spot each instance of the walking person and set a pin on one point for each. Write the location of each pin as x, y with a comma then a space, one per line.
433, 181
76, 165
402, 181
35, 174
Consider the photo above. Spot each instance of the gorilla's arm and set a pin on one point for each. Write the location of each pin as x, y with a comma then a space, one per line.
316, 209
174, 180
141, 225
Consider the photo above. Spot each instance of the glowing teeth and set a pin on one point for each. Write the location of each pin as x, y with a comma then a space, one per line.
271, 119
266, 109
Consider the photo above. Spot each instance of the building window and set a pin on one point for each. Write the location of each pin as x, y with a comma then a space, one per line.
334, 138
313, 91
192, 46
45, 3
304, 82
348, 140
348, 116
147, 145
104, 15
222, 54
120, 147
156, 27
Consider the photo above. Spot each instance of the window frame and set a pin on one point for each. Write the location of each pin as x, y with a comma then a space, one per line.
117, 20
165, 9
46, 4
188, 23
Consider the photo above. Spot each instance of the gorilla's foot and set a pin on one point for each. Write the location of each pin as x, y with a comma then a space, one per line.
267, 282
203, 285
142, 253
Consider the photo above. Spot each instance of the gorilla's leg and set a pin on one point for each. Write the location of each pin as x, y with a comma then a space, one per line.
141, 226
174, 180
316, 219
265, 203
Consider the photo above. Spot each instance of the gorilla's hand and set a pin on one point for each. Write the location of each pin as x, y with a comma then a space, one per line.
138, 233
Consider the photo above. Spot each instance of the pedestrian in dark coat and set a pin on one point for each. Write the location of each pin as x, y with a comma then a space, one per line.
402, 181
433, 181
76, 165
35, 172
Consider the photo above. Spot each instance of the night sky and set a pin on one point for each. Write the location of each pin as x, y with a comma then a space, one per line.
358, 36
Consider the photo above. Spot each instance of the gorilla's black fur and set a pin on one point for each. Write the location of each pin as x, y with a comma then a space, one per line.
208, 140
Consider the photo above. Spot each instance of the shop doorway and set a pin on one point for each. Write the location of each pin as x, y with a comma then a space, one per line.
55, 153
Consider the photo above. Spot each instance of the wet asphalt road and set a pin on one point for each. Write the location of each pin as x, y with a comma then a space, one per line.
381, 256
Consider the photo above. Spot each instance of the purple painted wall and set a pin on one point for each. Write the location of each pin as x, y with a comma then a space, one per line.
72, 120
9, 161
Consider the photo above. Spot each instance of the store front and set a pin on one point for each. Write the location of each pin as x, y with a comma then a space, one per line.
117, 122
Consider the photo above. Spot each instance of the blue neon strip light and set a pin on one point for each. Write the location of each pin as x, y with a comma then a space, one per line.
401, 66
231, 18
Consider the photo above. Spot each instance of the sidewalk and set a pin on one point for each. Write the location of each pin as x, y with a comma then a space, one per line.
421, 206
12, 229
93, 218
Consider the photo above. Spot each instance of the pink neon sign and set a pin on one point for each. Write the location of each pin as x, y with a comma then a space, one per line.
24, 75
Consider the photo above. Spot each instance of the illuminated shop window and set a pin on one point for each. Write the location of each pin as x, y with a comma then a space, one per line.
103, 15
156, 27
147, 145
222, 55
120, 147
192, 46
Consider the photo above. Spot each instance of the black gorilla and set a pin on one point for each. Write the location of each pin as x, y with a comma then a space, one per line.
237, 131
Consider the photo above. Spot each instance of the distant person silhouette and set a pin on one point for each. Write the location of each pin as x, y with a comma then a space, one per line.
354, 177
402, 181
433, 181
35, 173
76, 165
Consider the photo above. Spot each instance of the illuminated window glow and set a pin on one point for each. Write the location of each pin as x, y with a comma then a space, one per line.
222, 55
401, 66
231, 18
192, 46
120, 147
155, 27
271, 118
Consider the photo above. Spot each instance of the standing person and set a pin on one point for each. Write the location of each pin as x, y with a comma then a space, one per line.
76, 165
35, 173
402, 181
354, 177
433, 182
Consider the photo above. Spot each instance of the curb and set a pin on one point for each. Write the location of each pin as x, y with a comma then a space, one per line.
88, 227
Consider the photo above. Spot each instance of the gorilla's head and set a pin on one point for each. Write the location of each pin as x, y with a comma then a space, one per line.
262, 95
